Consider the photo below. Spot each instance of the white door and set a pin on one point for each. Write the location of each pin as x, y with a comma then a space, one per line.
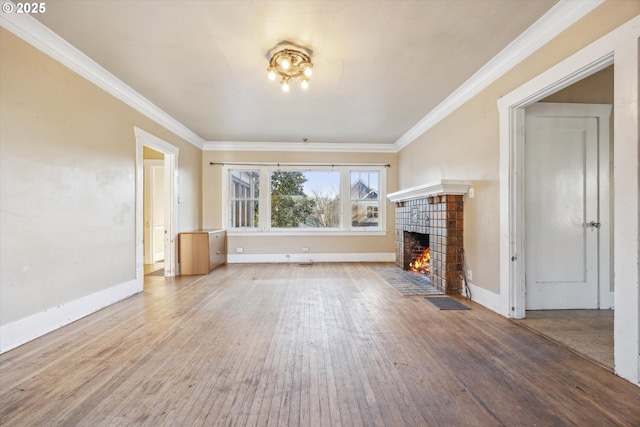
157, 213
561, 212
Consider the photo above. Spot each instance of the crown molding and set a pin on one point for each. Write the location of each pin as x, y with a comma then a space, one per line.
35, 33
444, 186
298, 146
557, 19
564, 14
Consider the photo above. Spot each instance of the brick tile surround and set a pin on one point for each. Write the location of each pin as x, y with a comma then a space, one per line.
442, 217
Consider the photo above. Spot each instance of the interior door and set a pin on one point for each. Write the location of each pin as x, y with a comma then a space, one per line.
561, 212
157, 215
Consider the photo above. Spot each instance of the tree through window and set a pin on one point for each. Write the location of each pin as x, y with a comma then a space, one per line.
304, 199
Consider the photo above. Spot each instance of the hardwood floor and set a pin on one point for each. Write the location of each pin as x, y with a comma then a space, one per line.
150, 268
284, 344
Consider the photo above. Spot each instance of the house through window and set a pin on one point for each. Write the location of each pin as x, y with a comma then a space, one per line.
365, 198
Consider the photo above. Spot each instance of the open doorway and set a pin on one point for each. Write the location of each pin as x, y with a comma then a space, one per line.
154, 189
618, 48
156, 239
569, 288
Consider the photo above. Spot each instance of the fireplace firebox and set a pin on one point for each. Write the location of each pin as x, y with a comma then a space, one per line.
417, 253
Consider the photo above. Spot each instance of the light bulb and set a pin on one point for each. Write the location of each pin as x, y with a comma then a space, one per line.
272, 75
304, 84
285, 87
308, 71
285, 64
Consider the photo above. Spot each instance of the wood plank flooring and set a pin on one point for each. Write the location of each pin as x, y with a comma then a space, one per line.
292, 345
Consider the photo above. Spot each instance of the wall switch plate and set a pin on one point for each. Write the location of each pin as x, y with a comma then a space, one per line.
469, 275
472, 193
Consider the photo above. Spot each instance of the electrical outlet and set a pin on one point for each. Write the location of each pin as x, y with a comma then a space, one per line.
469, 275
305, 249
239, 250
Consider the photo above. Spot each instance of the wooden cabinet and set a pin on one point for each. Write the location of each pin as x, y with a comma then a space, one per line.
201, 251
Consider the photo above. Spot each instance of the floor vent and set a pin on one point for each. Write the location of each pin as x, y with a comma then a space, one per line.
447, 303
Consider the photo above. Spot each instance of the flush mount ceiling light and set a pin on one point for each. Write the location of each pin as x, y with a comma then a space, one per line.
290, 64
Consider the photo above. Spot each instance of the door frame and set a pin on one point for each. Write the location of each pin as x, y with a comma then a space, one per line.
603, 113
620, 47
171, 153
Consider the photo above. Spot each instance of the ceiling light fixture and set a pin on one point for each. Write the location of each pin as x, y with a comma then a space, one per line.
290, 64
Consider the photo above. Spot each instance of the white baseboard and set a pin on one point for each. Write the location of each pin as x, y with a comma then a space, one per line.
24, 330
306, 257
489, 299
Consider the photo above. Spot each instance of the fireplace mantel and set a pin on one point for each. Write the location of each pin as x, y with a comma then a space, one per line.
444, 186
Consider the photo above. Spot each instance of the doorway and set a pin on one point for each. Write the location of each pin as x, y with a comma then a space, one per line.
165, 237
154, 189
619, 47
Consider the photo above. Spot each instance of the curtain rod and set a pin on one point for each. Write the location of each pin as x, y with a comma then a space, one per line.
386, 165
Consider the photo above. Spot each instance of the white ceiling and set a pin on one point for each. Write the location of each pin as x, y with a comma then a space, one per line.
379, 66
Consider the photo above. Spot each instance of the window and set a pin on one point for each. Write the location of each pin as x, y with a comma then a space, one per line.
372, 212
365, 198
244, 198
305, 200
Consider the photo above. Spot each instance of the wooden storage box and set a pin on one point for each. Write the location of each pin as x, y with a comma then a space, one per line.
201, 251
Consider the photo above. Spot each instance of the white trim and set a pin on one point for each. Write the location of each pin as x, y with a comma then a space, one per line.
171, 154
35, 33
626, 197
305, 257
444, 186
619, 46
24, 330
298, 146
307, 232
564, 14
488, 299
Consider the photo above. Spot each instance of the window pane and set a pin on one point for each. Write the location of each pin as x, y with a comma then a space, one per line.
245, 184
243, 203
305, 199
364, 214
365, 185
365, 198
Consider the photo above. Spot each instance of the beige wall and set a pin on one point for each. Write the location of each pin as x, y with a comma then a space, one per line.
212, 209
151, 154
67, 183
595, 89
465, 145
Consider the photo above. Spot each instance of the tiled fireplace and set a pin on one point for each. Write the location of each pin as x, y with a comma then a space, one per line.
432, 215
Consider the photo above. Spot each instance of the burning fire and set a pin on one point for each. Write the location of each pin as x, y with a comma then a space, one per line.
421, 263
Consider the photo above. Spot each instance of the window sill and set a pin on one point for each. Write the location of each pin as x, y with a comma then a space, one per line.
319, 233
